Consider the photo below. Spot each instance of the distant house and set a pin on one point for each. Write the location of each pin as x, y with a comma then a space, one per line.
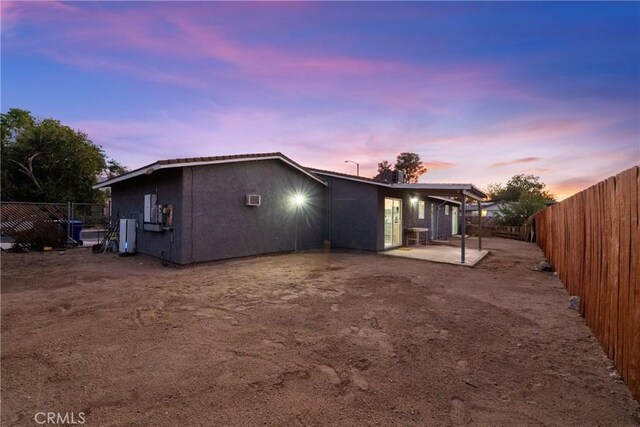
204, 209
489, 209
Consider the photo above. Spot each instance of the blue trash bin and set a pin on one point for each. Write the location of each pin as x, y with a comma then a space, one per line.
76, 229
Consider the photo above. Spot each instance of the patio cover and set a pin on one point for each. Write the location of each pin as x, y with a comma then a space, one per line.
460, 192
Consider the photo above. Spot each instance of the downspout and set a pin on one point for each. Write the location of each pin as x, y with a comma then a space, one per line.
438, 219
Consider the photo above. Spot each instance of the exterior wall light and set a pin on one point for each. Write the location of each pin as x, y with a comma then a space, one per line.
299, 200
413, 199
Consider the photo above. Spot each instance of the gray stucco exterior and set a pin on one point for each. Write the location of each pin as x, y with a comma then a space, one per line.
356, 219
218, 224
353, 214
211, 219
128, 202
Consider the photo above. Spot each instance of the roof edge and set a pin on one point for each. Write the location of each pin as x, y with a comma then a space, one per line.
178, 163
348, 177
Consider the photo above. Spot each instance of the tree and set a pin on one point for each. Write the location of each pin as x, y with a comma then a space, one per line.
516, 187
114, 169
516, 213
494, 191
13, 123
411, 165
525, 195
408, 163
384, 166
46, 161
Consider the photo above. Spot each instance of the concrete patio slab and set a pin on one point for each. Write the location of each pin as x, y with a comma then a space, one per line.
439, 253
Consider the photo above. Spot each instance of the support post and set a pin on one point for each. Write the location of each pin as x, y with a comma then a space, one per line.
464, 231
479, 226
69, 217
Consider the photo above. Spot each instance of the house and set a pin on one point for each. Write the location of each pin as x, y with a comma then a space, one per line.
489, 209
371, 215
211, 213
211, 208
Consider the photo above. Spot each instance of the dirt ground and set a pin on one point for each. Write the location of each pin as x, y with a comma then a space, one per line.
301, 339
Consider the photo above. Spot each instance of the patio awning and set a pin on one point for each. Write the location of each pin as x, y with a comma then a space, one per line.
445, 190
455, 191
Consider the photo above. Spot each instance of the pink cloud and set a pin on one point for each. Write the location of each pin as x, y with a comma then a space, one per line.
309, 142
16, 11
523, 131
173, 33
439, 165
516, 161
145, 73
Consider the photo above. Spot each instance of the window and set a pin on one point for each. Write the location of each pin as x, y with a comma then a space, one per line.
446, 209
421, 208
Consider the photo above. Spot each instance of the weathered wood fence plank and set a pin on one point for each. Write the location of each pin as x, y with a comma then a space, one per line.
593, 240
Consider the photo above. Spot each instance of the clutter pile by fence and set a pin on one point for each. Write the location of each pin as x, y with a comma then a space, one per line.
37, 226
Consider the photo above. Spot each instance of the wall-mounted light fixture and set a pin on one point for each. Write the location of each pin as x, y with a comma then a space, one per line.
299, 200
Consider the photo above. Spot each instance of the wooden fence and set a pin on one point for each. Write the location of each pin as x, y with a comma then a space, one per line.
491, 227
593, 240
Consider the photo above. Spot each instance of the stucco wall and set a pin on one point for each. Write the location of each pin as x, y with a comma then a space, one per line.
217, 223
357, 214
128, 202
441, 224
410, 214
353, 214
212, 221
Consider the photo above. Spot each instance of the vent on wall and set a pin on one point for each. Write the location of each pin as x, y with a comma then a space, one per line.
253, 200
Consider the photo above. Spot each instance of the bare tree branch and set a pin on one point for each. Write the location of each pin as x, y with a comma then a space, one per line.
28, 170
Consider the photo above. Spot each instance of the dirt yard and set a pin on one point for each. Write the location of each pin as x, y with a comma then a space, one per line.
303, 339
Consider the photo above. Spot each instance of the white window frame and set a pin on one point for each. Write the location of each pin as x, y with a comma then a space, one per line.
446, 209
421, 208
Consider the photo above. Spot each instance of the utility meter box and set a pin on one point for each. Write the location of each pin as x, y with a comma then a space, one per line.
127, 241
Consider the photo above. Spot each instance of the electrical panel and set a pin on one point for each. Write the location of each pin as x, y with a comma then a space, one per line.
150, 202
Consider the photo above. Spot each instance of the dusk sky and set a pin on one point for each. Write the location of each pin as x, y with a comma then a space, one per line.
481, 91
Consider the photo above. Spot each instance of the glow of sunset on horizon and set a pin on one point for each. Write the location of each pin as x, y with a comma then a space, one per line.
481, 91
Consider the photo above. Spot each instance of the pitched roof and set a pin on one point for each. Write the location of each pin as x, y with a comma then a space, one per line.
441, 189
347, 176
436, 188
201, 161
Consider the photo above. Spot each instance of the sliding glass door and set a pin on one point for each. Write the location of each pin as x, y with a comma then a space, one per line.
392, 222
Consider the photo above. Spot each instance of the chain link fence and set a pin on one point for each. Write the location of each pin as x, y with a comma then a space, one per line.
39, 226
